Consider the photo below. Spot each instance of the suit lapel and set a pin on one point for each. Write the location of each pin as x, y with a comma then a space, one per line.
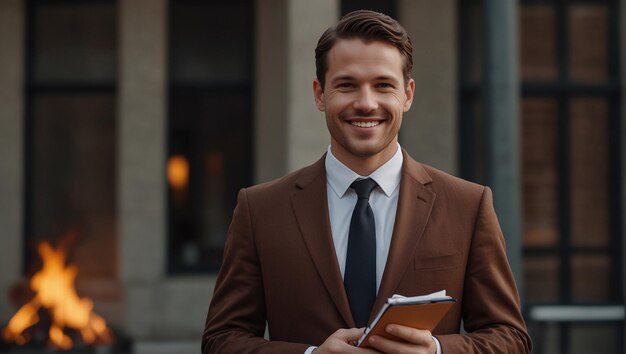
415, 203
310, 206
311, 209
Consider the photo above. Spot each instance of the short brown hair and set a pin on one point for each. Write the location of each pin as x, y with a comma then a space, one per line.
367, 26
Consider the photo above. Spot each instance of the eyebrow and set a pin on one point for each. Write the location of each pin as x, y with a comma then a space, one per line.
351, 78
387, 78
343, 78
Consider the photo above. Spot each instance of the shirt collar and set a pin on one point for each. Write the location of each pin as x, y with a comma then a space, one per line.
340, 176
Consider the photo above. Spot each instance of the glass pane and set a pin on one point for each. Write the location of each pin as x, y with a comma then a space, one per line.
589, 163
588, 43
538, 42
596, 338
540, 173
72, 185
541, 278
591, 277
472, 146
74, 41
387, 7
211, 41
546, 336
472, 43
210, 136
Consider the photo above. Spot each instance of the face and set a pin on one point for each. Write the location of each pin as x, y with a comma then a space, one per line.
363, 99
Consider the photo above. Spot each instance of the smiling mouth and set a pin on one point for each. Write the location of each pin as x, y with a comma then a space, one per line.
368, 124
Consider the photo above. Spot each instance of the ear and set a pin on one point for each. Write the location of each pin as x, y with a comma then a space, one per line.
318, 93
410, 90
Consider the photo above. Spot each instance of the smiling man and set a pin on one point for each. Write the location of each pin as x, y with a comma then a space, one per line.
313, 256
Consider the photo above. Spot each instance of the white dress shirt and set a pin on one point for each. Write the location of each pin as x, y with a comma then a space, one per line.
383, 201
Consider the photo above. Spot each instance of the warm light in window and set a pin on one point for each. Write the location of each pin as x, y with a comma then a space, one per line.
178, 171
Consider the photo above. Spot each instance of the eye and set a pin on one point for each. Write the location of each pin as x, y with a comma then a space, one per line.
385, 85
345, 85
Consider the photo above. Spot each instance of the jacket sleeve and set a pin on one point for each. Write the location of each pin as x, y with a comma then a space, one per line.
236, 319
491, 307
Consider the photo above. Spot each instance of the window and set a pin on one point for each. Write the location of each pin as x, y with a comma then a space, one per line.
387, 7
71, 131
569, 121
210, 126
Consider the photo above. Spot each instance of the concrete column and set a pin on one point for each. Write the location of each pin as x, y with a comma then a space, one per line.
290, 132
270, 90
429, 129
142, 155
308, 135
11, 149
503, 169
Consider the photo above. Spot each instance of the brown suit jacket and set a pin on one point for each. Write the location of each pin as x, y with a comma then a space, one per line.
280, 266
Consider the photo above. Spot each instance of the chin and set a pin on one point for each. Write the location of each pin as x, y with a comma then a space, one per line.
365, 152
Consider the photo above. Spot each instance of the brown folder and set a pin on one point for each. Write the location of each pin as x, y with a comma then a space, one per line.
420, 315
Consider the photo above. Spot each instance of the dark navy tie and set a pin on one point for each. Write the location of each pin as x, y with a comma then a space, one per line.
360, 273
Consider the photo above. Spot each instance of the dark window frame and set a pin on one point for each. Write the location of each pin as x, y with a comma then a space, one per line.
176, 88
471, 152
388, 7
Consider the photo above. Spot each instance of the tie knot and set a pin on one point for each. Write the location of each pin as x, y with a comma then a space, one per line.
364, 187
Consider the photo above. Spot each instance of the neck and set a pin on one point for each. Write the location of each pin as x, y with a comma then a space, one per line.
365, 165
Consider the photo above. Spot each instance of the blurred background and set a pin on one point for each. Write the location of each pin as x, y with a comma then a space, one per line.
128, 126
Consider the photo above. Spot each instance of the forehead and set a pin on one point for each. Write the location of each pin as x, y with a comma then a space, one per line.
354, 56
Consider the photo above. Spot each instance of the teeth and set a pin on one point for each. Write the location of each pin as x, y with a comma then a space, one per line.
365, 124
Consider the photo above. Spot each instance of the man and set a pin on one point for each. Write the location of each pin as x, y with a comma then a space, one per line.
314, 261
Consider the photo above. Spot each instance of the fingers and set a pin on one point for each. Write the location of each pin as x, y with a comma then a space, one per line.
411, 335
349, 335
409, 340
342, 341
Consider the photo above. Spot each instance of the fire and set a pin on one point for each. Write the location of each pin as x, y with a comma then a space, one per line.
54, 290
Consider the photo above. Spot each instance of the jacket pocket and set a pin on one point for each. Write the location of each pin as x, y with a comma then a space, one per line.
438, 262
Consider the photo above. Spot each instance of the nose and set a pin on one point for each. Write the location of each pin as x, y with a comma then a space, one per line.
366, 100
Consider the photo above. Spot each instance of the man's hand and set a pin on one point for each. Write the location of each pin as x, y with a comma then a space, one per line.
342, 341
412, 341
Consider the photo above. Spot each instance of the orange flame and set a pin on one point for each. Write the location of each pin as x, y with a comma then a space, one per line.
54, 290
